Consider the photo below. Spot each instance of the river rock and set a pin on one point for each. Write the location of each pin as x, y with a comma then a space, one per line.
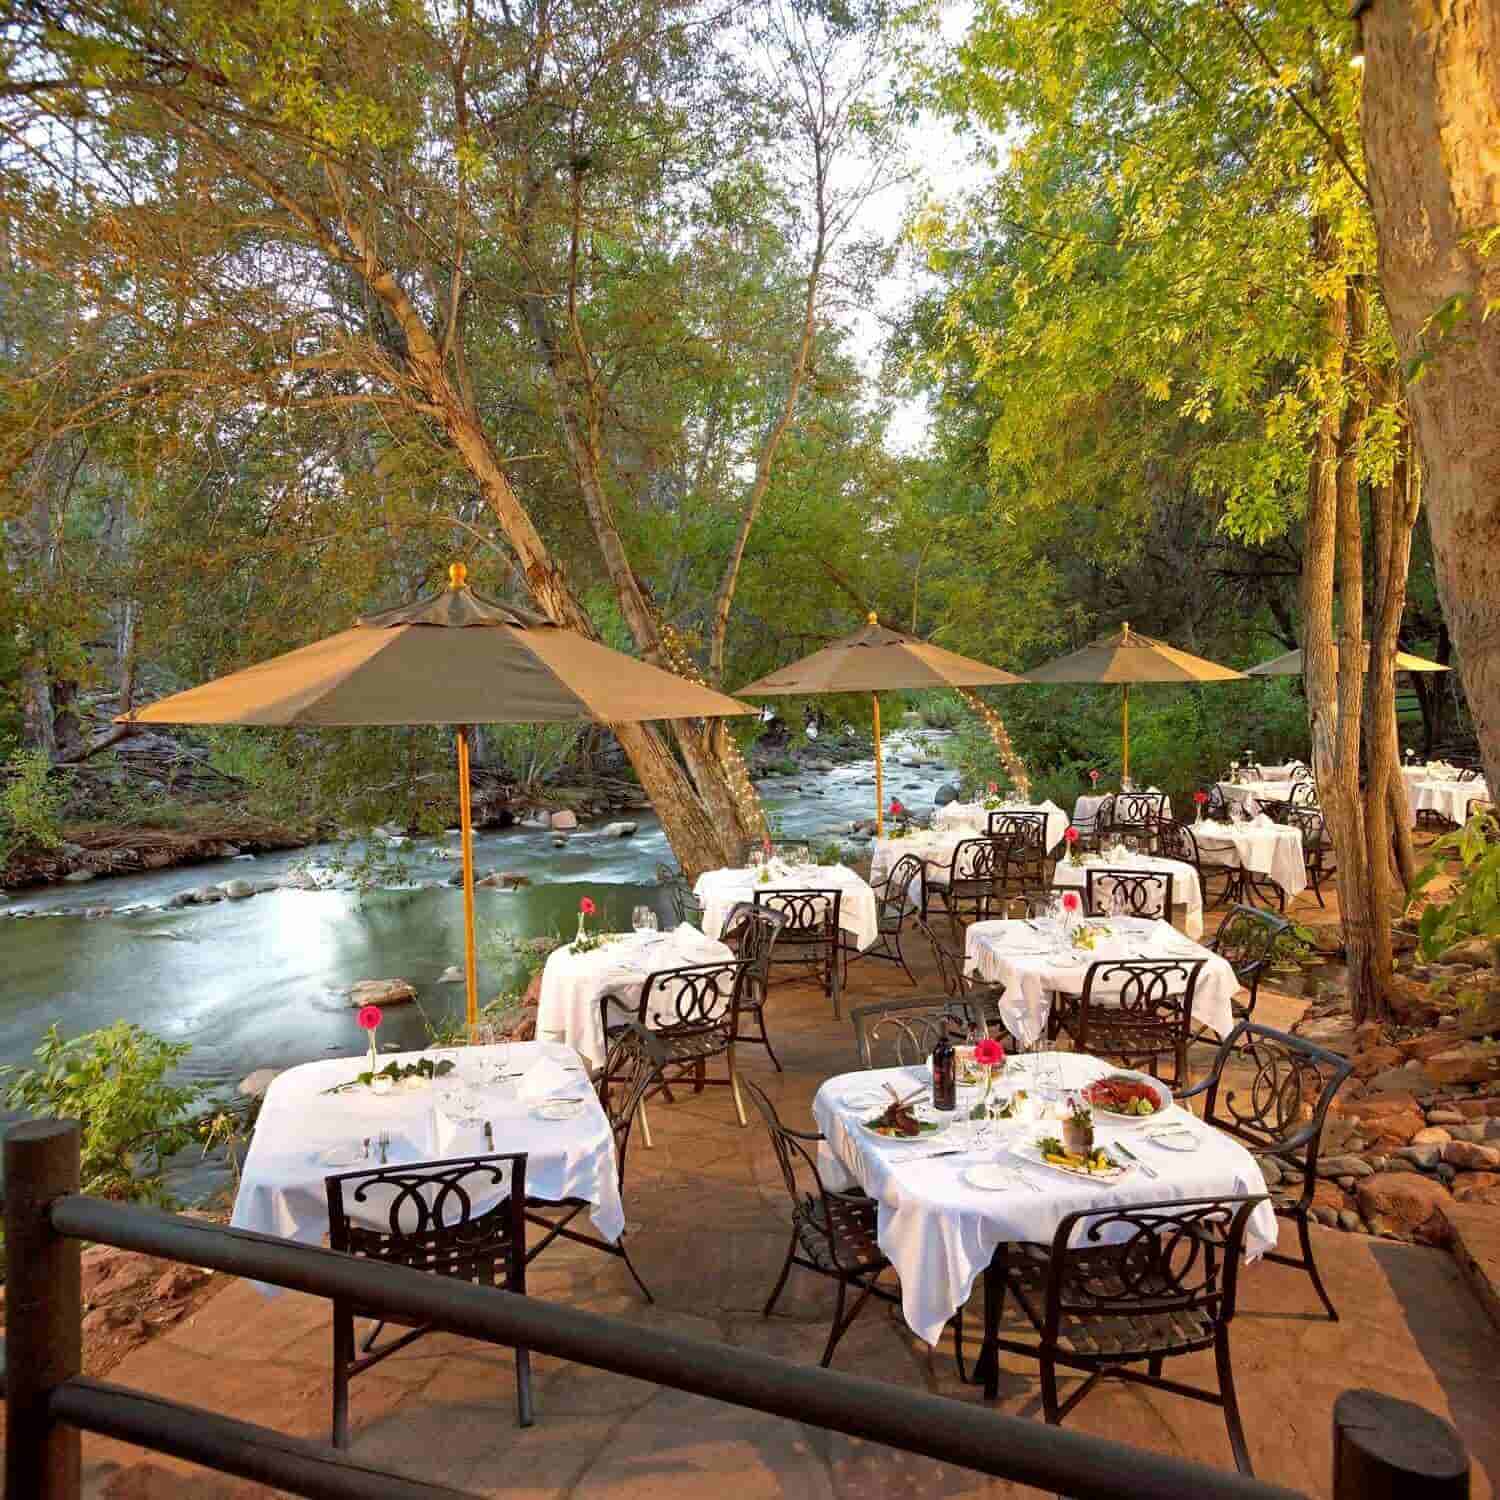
241, 859
559, 841
1478, 1187
1478, 951
236, 890
77, 877
1468, 1062
1470, 1157
1405, 1202
298, 880
618, 830
253, 1085
564, 820
945, 794
382, 992
451, 975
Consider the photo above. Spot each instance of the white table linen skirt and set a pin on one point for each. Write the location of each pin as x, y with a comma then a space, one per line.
859, 913
940, 1233
1261, 847
975, 816
1187, 891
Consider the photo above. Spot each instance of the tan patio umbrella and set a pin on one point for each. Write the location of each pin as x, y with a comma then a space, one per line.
453, 659
1126, 657
875, 660
1290, 665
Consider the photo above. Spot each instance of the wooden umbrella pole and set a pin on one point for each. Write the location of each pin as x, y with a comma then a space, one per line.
466, 823
1125, 734
879, 776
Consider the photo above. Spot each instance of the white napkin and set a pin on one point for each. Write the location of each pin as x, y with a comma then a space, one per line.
544, 1079
1261, 820
456, 1137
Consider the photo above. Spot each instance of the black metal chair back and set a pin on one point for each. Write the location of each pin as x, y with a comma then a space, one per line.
950, 962
1317, 848
976, 875
1132, 812
894, 893
1024, 828
1217, 862
809, 933
1304, 792
1138, 1010
686, 907
632, 1070
908, 1028
1246, 940
1301, 771
694, 1001
752, 930
1127, 893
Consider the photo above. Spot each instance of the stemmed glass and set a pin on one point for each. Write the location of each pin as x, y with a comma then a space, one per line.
643, 919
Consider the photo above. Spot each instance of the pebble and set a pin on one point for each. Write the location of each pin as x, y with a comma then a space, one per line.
1444, 1117
1350, 1220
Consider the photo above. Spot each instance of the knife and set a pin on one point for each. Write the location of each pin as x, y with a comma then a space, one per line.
1130, 1155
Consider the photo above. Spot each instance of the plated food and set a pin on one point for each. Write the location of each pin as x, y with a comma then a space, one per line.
900, 1122
1127, 1097
1097, 1164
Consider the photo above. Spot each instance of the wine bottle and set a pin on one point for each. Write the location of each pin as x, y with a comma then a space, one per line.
944, 1075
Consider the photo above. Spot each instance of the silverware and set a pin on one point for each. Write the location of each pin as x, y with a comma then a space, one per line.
1130, 1155
489, 1135
367, 1148
385, 1145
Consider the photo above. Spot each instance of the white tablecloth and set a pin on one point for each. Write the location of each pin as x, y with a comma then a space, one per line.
281, 1188
941, 1234
859, 913
1186, 890
975, 816
1449, 799
1086, 809
934, 849
1250, 794
1282, 772
1261, 847
1032, 962
574, 983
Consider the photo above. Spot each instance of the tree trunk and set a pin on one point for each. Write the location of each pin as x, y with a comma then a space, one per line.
1431, 120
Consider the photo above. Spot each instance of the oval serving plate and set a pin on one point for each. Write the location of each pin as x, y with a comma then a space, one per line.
1174, 1138
341, 1156
1030, 1154
933, 1130
1119, 1121
558, 1109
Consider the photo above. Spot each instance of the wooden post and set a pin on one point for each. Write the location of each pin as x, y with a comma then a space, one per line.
1124, 735
879, 777
43, 1310
466, 827
1388, 1449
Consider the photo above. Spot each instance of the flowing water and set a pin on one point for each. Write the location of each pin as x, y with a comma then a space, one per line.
261, 982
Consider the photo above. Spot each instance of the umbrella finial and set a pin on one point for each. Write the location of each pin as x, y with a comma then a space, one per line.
1127, 630
870, 618
458, 575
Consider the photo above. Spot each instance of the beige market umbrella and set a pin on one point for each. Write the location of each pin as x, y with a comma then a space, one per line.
1290, 665
1125, 657
875, 660
453, 659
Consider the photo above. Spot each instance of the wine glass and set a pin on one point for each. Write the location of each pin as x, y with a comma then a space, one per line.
643, 919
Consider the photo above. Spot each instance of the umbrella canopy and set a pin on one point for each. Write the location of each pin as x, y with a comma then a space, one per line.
453, 659
875, 660
1290, 664
1125, 657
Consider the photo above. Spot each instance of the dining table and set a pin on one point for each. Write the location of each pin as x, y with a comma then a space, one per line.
1263, 849
947, 1202
575, 985
974, 817
1251, 796
498, 1098
1086, 808
1036, 959
1439, 789
1187, 889
859, 911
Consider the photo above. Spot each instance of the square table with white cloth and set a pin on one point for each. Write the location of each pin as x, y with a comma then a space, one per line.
1446, 796
281, 1186
1034, 960
1086, 808
975, 817
933, 848
859, 912
941, 1234
1251, 794
1187, 891
1260, 847
573, 984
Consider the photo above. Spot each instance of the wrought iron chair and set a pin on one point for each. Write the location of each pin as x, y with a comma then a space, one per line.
1246, 940
752, 931
1127, 893
1123, 1287
950, 962
809, 935
632, 1069
893, 906
1318, 856
833, 1233
1279, 1113
973, 882
910, 1028
1022, 837
1138, 813
694, 1013
1217, 806
1216, 863
425, 1216
1304, 792
1135, 1009
686, 907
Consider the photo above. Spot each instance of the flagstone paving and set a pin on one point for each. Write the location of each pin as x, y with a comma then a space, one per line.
710, 1213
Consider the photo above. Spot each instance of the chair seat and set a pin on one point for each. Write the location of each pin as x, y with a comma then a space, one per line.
853, 1229
695, 1046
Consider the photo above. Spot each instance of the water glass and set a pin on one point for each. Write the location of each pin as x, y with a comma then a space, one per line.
643, 919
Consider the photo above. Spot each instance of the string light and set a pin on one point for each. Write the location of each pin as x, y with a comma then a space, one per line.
752, 814
1001, 736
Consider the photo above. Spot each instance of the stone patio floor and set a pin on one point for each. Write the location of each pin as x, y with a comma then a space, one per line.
709, 1212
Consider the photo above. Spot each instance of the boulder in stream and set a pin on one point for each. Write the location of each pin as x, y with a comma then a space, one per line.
253, 1085
564, 820
382, 992
618, 830
451, 975
945, 794
236, 890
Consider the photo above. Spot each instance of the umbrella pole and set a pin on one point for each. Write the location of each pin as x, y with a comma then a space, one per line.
1125, 733
466, 822
879, 776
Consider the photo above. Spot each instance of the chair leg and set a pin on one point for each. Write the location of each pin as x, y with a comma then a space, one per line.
630, 1266
1231, 1404
837, 1328
1051, 1410
343, 1357
786, 1270
525, 1416
765, 1037
1312, 1267
734, 1088
645, 1124
833, 986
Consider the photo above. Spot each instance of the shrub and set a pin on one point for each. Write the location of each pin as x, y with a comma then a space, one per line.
114, 1083
1473, 909
31, 804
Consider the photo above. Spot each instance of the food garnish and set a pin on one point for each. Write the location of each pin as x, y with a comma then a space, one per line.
1093, 1162
1119, 1095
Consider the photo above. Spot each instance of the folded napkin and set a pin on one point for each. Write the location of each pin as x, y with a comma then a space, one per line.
545, 1079
459, 1137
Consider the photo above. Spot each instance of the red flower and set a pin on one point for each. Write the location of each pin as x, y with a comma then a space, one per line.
1070, 901
989, 1053
587, 907
1071, 835
896, 808
994, 787
369, 1017
1200, 798
1094, 777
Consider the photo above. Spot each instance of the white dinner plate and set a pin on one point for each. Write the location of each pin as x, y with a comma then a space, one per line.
341, 1156
990, 1177
927, 1136
1174, 1138
558, 1109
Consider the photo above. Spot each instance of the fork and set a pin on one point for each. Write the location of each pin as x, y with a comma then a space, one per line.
385, 1145
1130, 1155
